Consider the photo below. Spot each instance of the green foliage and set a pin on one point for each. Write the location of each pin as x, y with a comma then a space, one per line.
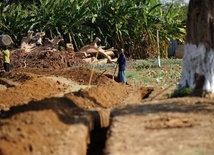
121, 24
179, 6
182, 91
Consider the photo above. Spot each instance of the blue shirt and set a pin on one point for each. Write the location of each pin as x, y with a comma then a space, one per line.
122, 62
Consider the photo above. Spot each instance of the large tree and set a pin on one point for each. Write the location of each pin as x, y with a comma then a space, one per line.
198, 59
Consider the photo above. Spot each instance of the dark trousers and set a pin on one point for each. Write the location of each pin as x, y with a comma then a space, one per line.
6, 67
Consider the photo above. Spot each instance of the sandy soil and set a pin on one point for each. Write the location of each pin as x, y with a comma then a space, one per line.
179, 126
36, 103
53, 110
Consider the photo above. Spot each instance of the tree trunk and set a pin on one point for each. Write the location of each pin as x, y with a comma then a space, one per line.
198, 59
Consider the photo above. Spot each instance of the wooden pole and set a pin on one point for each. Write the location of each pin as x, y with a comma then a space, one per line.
114, 71
92, 70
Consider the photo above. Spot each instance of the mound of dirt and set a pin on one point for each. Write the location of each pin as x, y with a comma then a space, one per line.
78, 74
44, 59
31, 84
46, 110
105, 96
50, 126
28, 87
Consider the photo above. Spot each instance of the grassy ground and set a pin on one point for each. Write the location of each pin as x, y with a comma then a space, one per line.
147, 72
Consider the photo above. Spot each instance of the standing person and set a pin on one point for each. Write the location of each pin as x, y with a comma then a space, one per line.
6, 58
121, 77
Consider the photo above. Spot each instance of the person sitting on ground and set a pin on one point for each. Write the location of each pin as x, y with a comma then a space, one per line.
121, 77
6, 58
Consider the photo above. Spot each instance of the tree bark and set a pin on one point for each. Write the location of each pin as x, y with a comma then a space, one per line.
198, 58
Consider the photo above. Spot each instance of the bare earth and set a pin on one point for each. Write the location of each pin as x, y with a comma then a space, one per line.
56, 111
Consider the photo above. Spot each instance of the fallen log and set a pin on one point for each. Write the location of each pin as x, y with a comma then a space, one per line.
110, 53
102, 61
38, 37
28, 47
81, 55
114, 60
28, 38
70, 47
91, 48
90, 60
102, 52
54, 42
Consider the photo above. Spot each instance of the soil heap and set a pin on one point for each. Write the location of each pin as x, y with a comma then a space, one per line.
44, 59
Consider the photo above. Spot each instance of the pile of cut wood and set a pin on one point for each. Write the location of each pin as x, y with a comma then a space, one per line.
43, 53
32, 43
91, 53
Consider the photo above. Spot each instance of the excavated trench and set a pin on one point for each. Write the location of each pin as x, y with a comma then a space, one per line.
100, 120
98, 139
98, 135
64, 122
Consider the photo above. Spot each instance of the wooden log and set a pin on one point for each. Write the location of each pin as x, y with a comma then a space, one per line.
110, 53
38, 37
114, 60
102, 61
111, 49
102, 46
81, 55
5, 40
70, 47
28, 47
89, 50
90, 60
28, 38
102, 52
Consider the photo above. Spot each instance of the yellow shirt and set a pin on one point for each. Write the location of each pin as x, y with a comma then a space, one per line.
6, 56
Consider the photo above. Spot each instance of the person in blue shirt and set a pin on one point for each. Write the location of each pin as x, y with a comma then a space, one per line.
121, 77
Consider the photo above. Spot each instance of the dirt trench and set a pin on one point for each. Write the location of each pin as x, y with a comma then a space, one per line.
46, 111
50, 111
48, 107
